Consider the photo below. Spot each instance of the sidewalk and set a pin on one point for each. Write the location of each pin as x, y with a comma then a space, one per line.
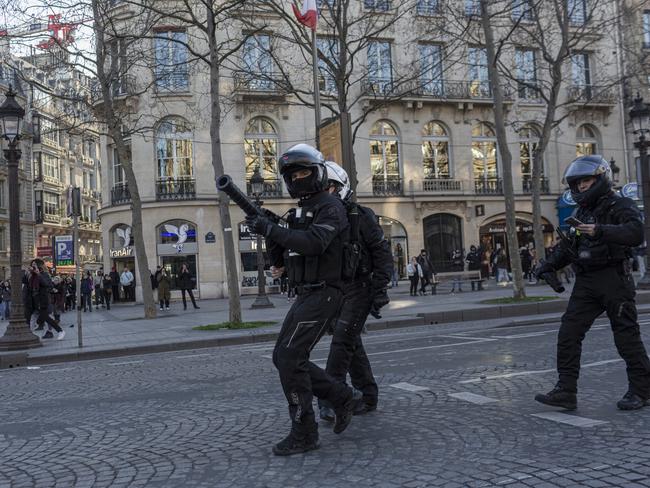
122, 330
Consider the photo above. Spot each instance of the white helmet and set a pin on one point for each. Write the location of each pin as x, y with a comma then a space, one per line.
339, 176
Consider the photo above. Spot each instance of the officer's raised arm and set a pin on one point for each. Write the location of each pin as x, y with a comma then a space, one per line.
628, 230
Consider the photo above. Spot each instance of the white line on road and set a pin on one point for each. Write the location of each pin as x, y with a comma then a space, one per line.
523, 336
469, 338
55, 370
409, 387
192, 356
565, 418
473, 398
539, 371
437, 346
126, 362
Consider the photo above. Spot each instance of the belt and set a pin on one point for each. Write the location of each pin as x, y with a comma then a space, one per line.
309, 287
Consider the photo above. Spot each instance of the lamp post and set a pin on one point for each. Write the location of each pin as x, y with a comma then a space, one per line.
615, 169
262, 301
640, 116
18, 334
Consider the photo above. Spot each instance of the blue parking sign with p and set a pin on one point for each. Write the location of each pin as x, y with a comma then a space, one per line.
64, 250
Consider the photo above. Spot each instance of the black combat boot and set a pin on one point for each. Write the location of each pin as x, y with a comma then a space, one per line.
632, 401
326, 413
345, 411
296, 443
558, 397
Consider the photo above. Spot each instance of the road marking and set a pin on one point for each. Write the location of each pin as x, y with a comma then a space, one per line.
409, 387
55, 370
126, 362
438, 346
473, 398
461, 336
193, 356
267, 356
33, 367
565, 418
522, 336
539, 371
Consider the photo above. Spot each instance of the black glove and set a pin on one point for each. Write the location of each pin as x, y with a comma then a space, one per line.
259, 224
379, 299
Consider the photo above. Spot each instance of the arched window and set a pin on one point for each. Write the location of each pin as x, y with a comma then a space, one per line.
176, 231
174, 149
176, 246
261, 152
435, 151
384, 159
586, 141
484, 159
442, 236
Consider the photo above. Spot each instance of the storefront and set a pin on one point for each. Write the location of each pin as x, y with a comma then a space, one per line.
248, 256
493, 234
395, 234
121, 252
177, 245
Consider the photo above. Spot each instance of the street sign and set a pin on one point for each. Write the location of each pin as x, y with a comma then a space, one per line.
210, 238
63, 251
631, 190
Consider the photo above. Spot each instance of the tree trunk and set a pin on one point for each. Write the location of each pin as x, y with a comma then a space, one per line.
504, 151
217, 163
114, 124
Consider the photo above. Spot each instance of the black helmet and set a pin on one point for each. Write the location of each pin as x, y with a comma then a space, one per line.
594, 165
303, 156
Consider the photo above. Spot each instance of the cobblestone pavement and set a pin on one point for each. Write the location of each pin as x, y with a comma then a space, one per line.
456, 410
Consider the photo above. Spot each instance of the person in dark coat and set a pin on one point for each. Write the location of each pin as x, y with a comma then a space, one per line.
473, 260
115, 284
36, 297
186, 283
87, 292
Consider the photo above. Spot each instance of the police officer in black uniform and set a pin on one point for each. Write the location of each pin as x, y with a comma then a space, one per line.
364, 292
599, 247
311, 249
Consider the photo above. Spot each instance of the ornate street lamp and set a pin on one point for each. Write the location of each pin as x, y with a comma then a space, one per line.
262, 301
18, 334
640, 116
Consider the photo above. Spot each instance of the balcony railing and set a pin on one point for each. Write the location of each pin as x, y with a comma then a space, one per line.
528, 91
428, 8
592, 94
183, 188
386, 187
120, 194
173, 81
377, 5
527, 185
263, 83
441, 185
491, 186
433, 88
272, 189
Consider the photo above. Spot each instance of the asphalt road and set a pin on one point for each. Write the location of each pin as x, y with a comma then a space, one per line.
456, 410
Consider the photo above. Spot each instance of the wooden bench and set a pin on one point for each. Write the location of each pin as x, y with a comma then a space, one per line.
451, 276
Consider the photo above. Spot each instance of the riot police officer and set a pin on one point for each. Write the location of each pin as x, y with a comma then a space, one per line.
599, 247
364, 292
311, 249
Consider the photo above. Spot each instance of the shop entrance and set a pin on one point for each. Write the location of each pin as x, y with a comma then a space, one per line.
119, 264
493, 235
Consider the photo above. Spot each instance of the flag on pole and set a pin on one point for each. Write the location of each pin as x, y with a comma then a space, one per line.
308, 14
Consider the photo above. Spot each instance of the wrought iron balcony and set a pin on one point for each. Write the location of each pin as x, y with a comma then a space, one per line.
387, 186
592, 94
272, 189
428, 8
263, 83
434, 88
377, 87
173, 81
527, 185
529, 91
183, 188
120, 194
489, 186
441, 185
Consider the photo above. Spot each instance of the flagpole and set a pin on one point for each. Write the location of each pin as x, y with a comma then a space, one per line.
314, 50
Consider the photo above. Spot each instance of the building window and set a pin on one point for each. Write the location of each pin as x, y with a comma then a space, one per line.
177, 245
2, 194
329, 48
478, 73
377, 5
258, 62
379, 66
173, 265
646, 28
443, 234
525, 60
586, 141
49, 132
528, 140
580, 70
118, 170
3, 240
484, 153
577, 12
435, 151
172, 74
428, 7
431, 68
472, 8
50, 203
523, 10
261, 149
384, 152
51, 168
174, 149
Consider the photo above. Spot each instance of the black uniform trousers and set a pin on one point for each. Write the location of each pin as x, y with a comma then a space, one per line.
609, 290
347, 353
305, 323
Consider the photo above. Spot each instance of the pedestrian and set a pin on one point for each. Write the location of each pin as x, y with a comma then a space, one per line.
126, 280
107, 289
164, 287
6, 299
365, 284
36, 297
186, 282
399, 252
526, 262
317, 231
115, 284
57, 296
473, 260
427, 272
87, 286
284, 284
599, 247
98, 280
501, 264
458, 265
414, 271
394, 276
